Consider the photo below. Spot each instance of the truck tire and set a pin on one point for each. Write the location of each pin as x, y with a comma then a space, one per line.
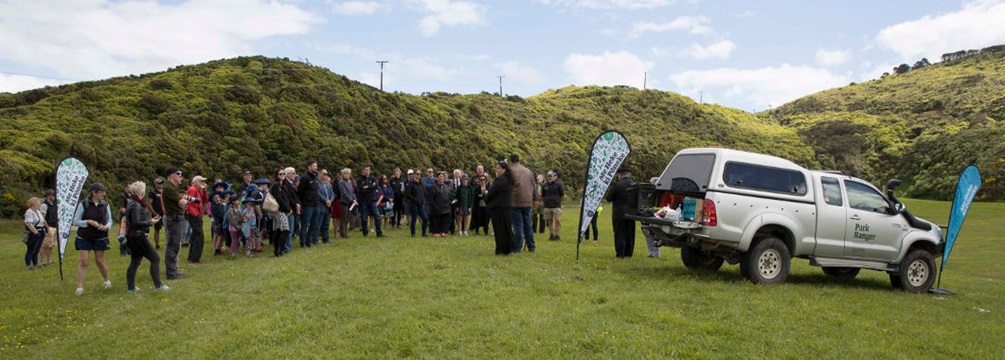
695, 259
766, 262
842, 272
917, 272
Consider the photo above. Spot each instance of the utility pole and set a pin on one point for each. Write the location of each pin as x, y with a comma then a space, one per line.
645, 79
701, 97
500, 85
382, 62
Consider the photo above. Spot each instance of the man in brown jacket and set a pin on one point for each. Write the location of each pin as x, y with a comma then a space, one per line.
523, 196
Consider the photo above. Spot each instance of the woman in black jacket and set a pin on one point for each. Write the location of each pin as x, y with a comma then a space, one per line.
499, 200
280, 219
138, 222
439, 206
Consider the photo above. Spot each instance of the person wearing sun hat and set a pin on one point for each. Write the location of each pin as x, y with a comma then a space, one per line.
174, 215
93, 218
197, 199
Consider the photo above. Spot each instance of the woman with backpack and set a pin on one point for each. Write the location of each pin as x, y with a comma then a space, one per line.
34, 223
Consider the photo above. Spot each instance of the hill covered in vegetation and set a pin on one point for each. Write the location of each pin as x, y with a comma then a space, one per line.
922, 125
261, 113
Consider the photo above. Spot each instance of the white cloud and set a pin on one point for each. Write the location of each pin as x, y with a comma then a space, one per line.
520, 73
609, 4
977, 25
697, 25
356, 7
99, 39
15, 83
620, 68
770, 86
449, 13
719, 50
833, 57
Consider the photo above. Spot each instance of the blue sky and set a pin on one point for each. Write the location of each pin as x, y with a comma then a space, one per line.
750, 55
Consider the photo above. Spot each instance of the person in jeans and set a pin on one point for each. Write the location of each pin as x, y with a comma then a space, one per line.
523, 197
174, 216
34, 223
327, 194
310, 201
138, 223
197, 200
93, 218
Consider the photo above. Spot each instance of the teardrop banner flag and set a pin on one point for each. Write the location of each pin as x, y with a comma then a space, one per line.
70, 177
966, 188
608, 152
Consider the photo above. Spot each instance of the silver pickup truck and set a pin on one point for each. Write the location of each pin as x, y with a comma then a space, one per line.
760, 211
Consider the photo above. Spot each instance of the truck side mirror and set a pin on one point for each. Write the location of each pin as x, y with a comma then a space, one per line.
898, 208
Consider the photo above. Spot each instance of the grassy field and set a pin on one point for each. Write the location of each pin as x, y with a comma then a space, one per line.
451, 298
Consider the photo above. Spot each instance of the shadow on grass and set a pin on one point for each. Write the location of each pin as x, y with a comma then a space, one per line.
732, 274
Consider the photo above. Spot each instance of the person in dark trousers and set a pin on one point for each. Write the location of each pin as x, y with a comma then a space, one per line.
174, 214
593, 226
415, 196
480, 211
553, 192
499, 200
138, 223
398, 186
280, 221
622, 195
440, 208
367, 185
327, 200
197, 199
157, 207
347, 200
310, 202
293, 218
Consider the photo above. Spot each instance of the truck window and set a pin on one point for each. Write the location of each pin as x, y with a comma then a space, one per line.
863, 197
687, 173
832, 191
757, 177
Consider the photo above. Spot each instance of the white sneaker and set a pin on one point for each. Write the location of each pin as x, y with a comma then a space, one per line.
80, 291
107, 284
163, 288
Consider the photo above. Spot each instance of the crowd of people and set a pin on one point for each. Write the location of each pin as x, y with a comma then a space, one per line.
289, 208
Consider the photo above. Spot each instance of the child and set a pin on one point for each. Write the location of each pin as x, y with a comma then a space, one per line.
250, 228
217, 210
235, 218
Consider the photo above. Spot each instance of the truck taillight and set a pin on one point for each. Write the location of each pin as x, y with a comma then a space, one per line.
708, 217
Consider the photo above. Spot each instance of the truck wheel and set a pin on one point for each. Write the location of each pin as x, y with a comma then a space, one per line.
917, 271
842, 272
695, 259
767, 262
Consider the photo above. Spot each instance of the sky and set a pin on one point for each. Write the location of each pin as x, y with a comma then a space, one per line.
750, 55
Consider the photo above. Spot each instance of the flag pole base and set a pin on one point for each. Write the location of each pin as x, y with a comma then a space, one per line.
941, 291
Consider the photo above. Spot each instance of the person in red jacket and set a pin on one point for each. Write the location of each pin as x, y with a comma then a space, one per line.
196, 208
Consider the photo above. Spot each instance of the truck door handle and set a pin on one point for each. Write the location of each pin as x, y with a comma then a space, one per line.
856, 217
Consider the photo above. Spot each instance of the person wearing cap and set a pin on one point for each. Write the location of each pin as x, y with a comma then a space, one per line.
173, 204
93, 219
621, 196
415, 196
157, 208
465, 196
51, 212
246, 179
523, 198
194, 211
553, 192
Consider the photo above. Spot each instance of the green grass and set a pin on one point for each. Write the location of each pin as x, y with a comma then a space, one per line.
434, 298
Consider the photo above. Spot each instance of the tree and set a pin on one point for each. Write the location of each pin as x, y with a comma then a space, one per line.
920, 64
903, 68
